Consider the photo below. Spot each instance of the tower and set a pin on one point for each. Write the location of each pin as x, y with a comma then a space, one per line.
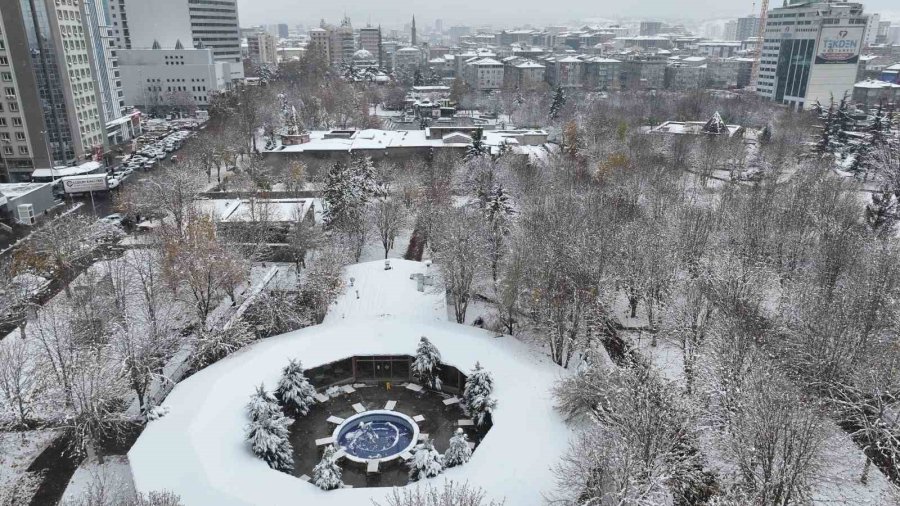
413, 40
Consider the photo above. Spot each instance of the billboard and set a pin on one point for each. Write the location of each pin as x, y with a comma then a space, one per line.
839, 45
83, 184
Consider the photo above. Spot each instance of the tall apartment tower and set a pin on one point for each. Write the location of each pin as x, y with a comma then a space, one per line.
369, 39
811, 52
747, 28
103, 44
51, 109
320, 42
209, 24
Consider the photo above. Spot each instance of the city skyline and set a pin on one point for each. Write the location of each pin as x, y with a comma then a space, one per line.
503, 13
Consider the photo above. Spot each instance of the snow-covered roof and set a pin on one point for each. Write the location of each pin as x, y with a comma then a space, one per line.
485, 61
198, 451
57, 172
16, 190
872, 84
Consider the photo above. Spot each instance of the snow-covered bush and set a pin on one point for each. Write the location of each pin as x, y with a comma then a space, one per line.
268, 431
157, 412
477, 395
327, 474
450, 494
458, 453
427, 364
214, 345
294, 391
426, 462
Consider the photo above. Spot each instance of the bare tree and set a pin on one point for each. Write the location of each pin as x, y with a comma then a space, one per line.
59, 245
451, 494
388, 217
459, 255
196, 263
20, 378
687, 322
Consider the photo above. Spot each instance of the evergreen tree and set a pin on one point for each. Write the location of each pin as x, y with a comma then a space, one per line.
843, 122
294, 391
824, 144
268, 432
327, 474
765, 136
519, 99
877, 128
427, 364
559, 101
417, 78
477, 149
262, 404
477, 395
426, 462
882, 212
458, 453
497, 203
347, 189
337, 193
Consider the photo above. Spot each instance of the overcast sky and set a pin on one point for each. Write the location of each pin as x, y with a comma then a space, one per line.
394, 13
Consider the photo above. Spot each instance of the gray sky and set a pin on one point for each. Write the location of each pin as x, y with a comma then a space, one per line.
394, 13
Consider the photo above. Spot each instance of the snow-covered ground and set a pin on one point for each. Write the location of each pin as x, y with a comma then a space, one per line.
198, 450
377, 292
18, 450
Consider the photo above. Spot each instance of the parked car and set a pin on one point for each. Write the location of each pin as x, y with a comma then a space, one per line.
113, 219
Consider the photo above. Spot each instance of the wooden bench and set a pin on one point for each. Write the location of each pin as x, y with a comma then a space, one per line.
321, 397
390, 405
465, 422
359, 408
451, 401
423, 436
325, 441
335, 420
338, 455
471, 444
414, 387
348, 389
372, 466
406, 456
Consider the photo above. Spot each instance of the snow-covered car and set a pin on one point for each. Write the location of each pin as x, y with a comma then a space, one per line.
114, 219
112, 182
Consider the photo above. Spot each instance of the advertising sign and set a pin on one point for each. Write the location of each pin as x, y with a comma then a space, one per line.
839, 45
84, 184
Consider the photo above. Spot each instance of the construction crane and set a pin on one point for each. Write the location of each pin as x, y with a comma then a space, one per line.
760, 35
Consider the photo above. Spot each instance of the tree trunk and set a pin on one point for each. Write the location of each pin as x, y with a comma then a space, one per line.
864, 479
633, 302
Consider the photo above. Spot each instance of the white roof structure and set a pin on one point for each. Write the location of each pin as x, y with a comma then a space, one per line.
198, 449
58, 172
16, 190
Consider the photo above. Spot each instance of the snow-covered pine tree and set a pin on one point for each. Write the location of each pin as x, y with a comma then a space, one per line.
843, 122
427, 364
327, 474
294, 391
458, 453
262, 404
337, 193
882, 212
477, 148
559, 101
426, 462
877, 128
268, 437
477, 395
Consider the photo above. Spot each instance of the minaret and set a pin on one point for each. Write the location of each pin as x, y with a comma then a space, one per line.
380, 50
413, 38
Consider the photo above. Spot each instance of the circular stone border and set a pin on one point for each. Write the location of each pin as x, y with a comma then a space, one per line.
346, 423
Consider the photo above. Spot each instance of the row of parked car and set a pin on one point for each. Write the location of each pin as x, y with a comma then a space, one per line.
149, 156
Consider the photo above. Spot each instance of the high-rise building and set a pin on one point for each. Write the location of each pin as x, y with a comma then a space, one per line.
109, 82
747, 27
871, 36
730, 32
320, 42
262, 48
341, 44
283, 31
811, 52
212, 24
439, 26
172, 77
370, 39
651, 27
52, 111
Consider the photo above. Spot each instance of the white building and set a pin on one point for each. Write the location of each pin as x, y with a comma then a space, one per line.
212, 24
262, 48
484, 74
156, 77
407, 58
811, 52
